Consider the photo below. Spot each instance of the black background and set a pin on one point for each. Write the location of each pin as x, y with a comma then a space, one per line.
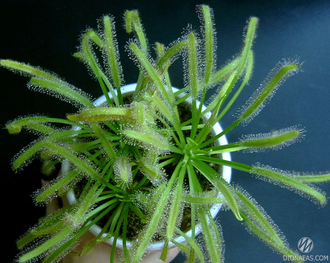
45, 33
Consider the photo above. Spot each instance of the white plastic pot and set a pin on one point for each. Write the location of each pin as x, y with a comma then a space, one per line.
127, 91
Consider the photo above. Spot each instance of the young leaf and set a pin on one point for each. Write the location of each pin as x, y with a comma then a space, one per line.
132, 22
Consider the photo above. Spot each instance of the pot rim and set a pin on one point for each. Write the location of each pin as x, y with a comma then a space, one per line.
158, 245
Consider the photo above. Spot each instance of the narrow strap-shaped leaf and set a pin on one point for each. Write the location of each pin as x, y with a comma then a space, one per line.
102, 115
247, 76
83, 165
155, 218
211, 239
111, 48
262, 225
150, 138
25, 240
152, 72
223, 94
106, 144
47, 225
50, 82
24, 156
248, 41
201, 200
132, 22
152, 226
192, 243
251, 209
321, 178
192, 65
256, 102
91, 61
95, 38
219, 183
164, 253
162, 107
65, 247
273, 175
280, 137
64, 90
289, 181
16, 125
126, 253
60, 183
170, 54
252, 143
46, 245
215, 106
209, 40
26, 69
176, 203
193, 78
222, 73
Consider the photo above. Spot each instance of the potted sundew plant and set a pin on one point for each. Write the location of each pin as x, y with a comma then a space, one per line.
152, 155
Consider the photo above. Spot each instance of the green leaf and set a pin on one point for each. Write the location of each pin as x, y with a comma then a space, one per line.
270, 174
248, 41
202, 200
176, 203
209, 41
261, 225
24, 156
60, 183
256, 102
26, 69
106, 144
150, 139
17, 125
152, 72
322, 178
219, 183
91, 61
271, 139
210, 235
193, 244
102, 115
171, 53
83, 165
278, 176
47, 245
247, 76
132, 22
63, 90
155, 218
111, 48
192, 66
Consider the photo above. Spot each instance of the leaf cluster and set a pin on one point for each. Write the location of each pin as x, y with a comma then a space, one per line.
137, 157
